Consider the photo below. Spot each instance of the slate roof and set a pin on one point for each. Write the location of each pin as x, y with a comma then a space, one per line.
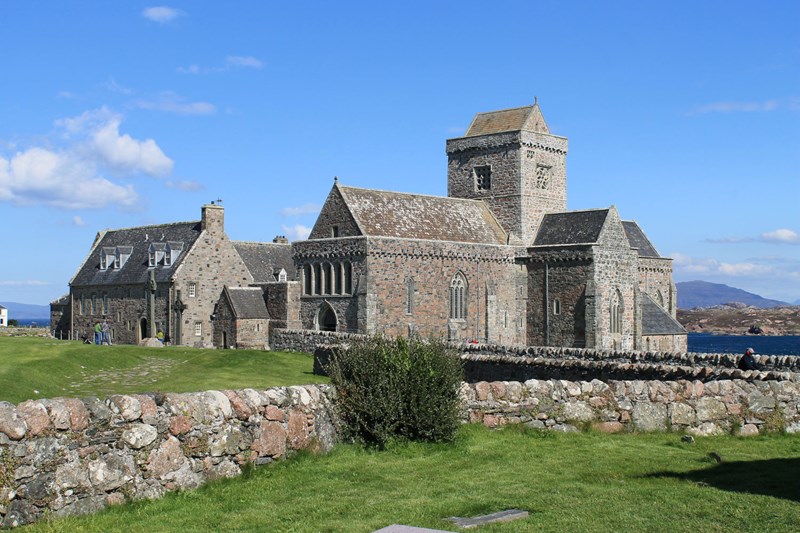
417, 216
638, 239
570, 227
520, 118
656, 321
135, 270
265, 259
247, 302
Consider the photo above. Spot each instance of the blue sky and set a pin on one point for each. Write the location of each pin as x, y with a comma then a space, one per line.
685, 115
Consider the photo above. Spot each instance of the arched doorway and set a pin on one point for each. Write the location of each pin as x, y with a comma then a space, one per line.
142, 329
326, 319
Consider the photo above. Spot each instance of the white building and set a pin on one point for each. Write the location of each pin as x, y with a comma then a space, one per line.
3, 317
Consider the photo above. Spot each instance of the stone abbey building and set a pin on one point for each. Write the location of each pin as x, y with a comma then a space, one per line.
499, 260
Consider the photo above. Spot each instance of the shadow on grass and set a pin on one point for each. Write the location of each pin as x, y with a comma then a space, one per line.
771, 477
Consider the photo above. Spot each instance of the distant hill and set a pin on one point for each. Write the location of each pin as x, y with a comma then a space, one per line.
705, 294
20, 311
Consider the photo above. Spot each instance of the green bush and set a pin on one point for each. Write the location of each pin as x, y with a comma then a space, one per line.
406, 389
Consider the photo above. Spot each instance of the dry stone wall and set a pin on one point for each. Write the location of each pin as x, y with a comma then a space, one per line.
67, 456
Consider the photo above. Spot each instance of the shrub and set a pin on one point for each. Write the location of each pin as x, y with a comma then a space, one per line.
405, 389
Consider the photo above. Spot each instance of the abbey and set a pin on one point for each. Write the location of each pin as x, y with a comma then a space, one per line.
499, 260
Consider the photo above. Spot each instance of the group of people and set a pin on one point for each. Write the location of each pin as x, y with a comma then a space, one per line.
102, 333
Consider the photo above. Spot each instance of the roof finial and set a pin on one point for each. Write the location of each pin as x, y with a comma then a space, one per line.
535, 100
336, 179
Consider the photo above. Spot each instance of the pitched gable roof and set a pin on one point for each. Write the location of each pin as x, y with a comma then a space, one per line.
527, 118
417, 216
638, 239
571, 227
138, 241
247, 302
656, 321
263, 259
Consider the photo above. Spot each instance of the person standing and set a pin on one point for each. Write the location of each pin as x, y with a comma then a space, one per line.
106, 330
98, 331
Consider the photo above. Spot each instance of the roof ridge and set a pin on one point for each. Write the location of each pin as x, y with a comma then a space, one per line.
260, 242
155, 226
507, 109
472, 200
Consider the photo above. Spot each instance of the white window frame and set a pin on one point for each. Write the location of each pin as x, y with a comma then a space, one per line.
198, 329
192, 290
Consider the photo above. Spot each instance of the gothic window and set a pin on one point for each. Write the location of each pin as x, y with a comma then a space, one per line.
105, 304
409, 296
542, 177
483, 178
337, 278
556, 306
317, 278
328, 278
95, 308
616, 310
458, 300
348, 277
307, 278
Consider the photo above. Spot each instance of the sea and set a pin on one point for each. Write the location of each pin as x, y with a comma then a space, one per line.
762, 344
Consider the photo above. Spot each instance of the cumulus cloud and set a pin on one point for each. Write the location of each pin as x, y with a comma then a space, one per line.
78, 221
73, 175
184, 185
161, 14
298, 232
231, 62
782, 235
306, 209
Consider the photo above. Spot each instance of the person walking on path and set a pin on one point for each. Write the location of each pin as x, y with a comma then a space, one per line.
106, 329
98, 329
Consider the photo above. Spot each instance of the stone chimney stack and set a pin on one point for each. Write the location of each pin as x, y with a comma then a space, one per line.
213, 220
280, 239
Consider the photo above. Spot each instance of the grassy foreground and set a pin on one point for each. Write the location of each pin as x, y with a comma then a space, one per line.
34, 367
568, 482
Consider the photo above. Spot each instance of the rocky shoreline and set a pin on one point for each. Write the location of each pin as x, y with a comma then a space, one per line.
741, 319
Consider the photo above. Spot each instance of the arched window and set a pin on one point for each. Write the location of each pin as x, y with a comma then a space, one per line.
348, 277
337, 278
458, 299
659, 298
317, 278
328, 278
616, 312
307, 278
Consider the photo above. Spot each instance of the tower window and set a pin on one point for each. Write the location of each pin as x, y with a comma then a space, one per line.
483, 178
542, 177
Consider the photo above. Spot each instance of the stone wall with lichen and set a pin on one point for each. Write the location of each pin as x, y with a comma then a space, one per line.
67, 456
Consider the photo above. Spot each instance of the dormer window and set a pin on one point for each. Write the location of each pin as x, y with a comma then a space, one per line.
107, 255
121, 255
172, 251
282, 275
156, 254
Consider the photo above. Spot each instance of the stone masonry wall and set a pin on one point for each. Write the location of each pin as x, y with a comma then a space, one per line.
67, 456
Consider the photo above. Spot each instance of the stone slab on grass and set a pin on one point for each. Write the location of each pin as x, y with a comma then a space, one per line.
500, 516
398, 528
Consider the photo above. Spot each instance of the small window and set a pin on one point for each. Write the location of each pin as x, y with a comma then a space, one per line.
307, 278
105, 304
192, 290
347, 273
410, 296
483, 178
556, 306
151, 258
103, 261
334, 231
95, 307
117, 261
198, 329
542, 177
282, 275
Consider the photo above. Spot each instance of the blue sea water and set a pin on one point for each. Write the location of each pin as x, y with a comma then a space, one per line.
737, 344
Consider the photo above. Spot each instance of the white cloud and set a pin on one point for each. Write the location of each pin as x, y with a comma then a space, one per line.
184, 185
115, 87
78, 221
743, 269
736, 107
172, 103
298, 232
25, 283
231, 62
161, 14
243, 61
306, 209
782, 235
71, 176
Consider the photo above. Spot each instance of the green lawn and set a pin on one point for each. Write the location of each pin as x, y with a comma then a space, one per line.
567, 482
34, 367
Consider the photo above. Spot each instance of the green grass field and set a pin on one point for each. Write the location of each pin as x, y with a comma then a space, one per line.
567, 482
35, 367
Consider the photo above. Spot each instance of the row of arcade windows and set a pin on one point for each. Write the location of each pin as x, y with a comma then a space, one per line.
328, 278
93, 305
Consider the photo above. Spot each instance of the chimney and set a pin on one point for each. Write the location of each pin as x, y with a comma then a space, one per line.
280, 239
213, 220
